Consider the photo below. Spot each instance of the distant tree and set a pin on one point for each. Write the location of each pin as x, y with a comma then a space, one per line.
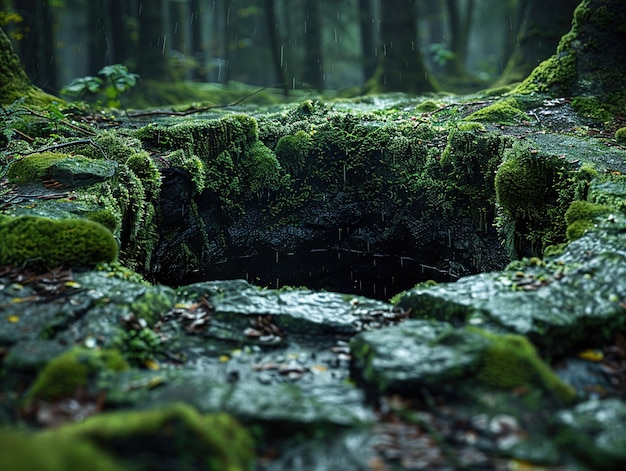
36, 48
152, 55
368, 42
400, 63
313, 73
539, 33
460, 24
271, 21
590, 60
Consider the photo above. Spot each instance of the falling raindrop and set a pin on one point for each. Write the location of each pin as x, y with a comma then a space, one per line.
282, 52
164, 43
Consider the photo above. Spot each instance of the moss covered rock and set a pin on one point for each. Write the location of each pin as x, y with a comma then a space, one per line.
72, 370
46, 243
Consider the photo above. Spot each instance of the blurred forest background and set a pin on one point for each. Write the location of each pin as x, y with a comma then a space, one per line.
352, 46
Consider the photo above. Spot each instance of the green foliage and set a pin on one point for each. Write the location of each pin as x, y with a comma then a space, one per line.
620, 135
191, 164
46, 243
116, 79
71, 370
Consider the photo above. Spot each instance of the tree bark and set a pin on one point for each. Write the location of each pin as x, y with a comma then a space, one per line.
368, 45
271, 21
590, 61
538, 37
14, 83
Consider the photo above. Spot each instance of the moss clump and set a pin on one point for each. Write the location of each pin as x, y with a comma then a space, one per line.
620, 135
533, 192
511, 361
146, 170
158, 300
505, 111
138, 346
74, 170
293, 151
104, 217
590, 107
580, 217
46, 243
262, 171
172, 437
73, 369
37, 452
33, 168
213, 442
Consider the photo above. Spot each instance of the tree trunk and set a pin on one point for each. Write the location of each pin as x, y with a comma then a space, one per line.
37, 46
271, 21
368, 45
590, 61
460, 25
539, 35
400, 63
313, 61
14, 83
153, 60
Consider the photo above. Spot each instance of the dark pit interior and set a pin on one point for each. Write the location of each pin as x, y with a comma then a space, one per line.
343, 270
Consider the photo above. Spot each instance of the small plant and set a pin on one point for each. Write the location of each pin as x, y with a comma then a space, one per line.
106, 89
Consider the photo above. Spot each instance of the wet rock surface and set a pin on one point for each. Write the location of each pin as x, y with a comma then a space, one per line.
515, 367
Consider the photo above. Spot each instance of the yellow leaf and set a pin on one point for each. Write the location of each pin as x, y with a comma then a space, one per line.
591, 355
72, 284
13, 319
224, 358
318, 368
151, 365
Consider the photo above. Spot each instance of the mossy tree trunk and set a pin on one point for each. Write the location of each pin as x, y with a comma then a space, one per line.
590, 61
401, 66
14, 83
539, 34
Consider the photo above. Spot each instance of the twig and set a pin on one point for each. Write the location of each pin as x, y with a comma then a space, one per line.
200, 110
63, 121
24, 135
119, 98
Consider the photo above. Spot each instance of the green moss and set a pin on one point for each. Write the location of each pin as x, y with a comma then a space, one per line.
32, 168
104, 217
556, 74
117, 270
293, 151
427, 107
166, 438
46, 243
471, 126
191, 164
146, 170
171, 437
505, 111
138, 346
511, 361
36, 452
15, 83
620, 135
73, 369
592, 108
262, 170
580, 217
153, 303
